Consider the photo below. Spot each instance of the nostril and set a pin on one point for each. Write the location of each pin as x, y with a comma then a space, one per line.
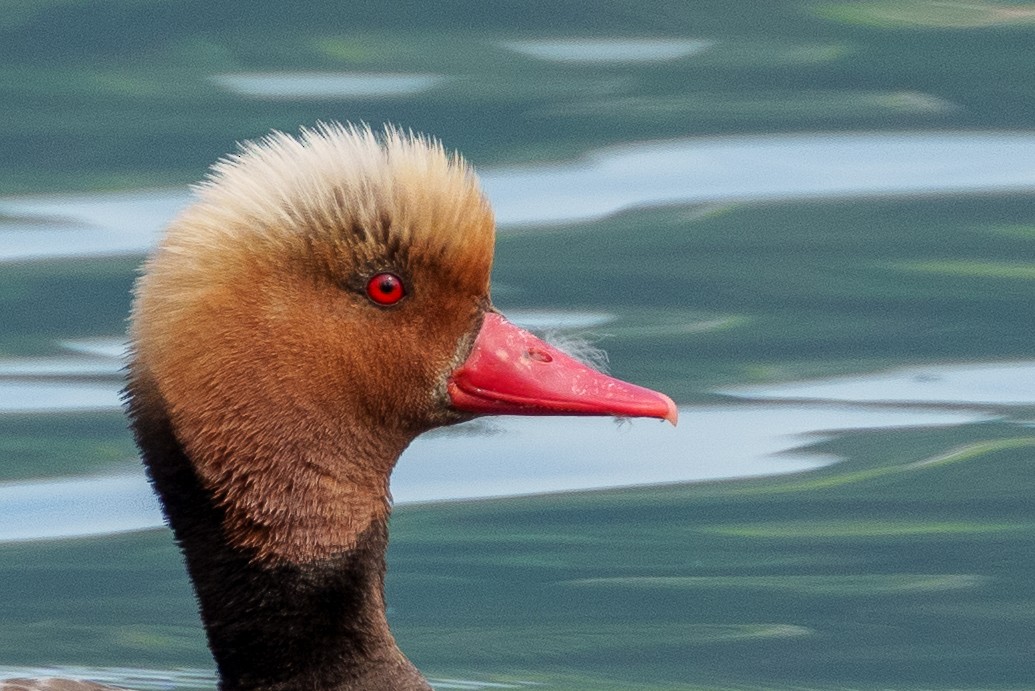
538, 355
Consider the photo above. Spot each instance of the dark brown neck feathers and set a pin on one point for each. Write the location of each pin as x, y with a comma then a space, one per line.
317, 625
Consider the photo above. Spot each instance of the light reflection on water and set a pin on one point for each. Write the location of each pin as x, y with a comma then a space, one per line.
520, 455
130, 677
77, 507
185, 679
86, 225
962, 384
763, 167
609, 50
58, 367
512, 456
1006, 383
707, 170
326, 85
34, 396
113, 348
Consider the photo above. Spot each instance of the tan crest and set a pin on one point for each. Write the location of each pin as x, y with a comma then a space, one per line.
252, 326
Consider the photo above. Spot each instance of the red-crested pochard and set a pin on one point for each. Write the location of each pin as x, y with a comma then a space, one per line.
323, 301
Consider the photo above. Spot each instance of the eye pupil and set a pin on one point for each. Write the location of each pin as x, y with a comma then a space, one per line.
385, 289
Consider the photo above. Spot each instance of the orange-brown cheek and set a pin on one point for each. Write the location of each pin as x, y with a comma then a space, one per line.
448, 332
392, 362
259, 403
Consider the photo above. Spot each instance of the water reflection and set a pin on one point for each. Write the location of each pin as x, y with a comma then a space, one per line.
128, 677
86, 225
764, 167
185, 679
34, 396
1003, 384
326, 85
111, 347
512, 456
745, 168
77, 507
558, 320
516, 456
598, 51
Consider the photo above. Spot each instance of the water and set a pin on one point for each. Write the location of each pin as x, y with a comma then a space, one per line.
520, 456
805, 584
310, 85
133, 678
611, 50
763, 167
33, 396
514, 456
688, 171
197, 679
999, 384
77, 507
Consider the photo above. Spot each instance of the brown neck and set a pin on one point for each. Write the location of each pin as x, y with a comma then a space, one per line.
274, 624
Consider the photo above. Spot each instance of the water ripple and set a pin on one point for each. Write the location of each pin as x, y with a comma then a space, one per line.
606, 181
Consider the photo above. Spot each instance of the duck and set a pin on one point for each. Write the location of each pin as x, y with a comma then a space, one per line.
323, 301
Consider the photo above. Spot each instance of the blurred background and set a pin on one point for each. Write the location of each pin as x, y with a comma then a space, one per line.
810, 222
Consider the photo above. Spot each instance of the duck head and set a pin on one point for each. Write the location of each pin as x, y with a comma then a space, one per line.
324, 301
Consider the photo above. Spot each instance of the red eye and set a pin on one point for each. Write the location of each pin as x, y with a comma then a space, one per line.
386, 289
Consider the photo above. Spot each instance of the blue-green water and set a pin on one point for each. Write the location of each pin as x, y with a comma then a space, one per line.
813, 223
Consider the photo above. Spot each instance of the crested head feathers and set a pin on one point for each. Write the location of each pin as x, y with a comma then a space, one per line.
347, 176
343, 187
253, 330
